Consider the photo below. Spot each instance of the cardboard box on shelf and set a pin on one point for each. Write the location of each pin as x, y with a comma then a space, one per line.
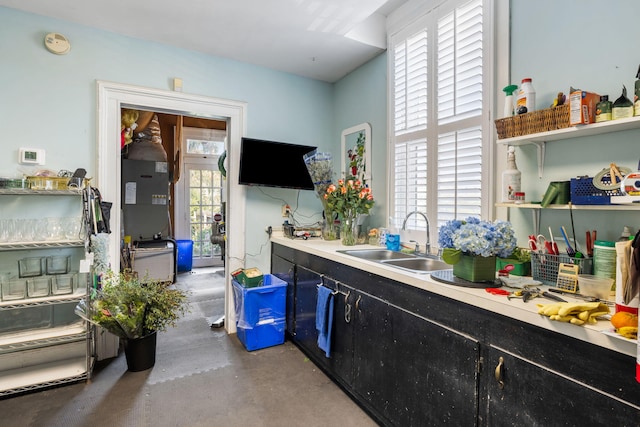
582, 107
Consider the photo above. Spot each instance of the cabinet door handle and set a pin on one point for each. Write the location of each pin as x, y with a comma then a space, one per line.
499, 372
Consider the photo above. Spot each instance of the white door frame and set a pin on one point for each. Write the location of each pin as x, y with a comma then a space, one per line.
111, 97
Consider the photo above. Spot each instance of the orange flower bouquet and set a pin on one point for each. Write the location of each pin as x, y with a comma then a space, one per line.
349, 199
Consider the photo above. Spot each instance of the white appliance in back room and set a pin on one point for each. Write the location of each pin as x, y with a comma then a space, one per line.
145, 215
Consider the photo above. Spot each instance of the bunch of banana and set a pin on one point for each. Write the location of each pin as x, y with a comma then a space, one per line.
630, 332
577, 313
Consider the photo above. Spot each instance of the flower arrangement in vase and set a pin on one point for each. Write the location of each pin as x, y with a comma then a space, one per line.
472, 245
349, 199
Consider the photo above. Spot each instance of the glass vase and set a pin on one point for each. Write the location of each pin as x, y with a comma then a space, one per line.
330, 230
349, 231
475, 268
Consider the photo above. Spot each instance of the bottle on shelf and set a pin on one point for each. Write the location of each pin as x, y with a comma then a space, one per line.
511, 177
526, 99
603, 109
622, 107
508, 100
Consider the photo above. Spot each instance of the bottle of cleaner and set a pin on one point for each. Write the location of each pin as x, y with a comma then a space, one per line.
526, 99
508, 100
511, 178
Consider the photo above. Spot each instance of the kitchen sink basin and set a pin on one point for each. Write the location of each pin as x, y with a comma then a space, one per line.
418, 265
377, 254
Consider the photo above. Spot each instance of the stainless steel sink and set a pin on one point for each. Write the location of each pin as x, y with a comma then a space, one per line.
418, 265
377, 254
407, 262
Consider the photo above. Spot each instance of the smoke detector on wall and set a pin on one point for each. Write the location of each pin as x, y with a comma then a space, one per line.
57, 43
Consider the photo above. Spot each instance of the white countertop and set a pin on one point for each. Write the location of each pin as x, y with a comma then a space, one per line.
514, 308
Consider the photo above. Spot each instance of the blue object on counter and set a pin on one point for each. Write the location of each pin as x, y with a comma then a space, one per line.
393, 242
324, 319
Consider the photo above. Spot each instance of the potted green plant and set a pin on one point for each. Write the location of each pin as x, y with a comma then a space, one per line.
134, 310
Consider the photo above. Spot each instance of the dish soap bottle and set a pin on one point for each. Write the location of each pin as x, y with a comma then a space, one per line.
511, 177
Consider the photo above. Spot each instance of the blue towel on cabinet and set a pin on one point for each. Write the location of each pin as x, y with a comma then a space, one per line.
324, 318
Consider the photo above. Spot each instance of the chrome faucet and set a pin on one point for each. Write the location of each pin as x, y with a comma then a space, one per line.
428, 243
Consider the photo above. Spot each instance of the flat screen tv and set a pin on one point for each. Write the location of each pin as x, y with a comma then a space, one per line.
274, 164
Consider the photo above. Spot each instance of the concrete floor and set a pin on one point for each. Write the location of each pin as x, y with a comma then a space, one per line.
202, 377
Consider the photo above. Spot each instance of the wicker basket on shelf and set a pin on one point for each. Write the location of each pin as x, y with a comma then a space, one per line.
534, 122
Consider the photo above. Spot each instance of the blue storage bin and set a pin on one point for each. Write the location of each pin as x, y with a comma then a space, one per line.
260, 313
185, 254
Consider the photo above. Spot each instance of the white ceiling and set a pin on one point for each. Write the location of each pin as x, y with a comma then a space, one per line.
320, 39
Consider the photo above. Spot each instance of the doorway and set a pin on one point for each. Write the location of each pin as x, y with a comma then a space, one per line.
200, 196
111, 98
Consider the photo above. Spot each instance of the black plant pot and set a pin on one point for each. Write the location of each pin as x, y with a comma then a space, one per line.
141, 352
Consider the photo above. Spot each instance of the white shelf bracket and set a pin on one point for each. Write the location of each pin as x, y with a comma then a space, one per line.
540, 149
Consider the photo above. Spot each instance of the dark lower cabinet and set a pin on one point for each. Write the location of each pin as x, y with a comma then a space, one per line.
340, 362
285, 270
520, 392
413, 358
412, 371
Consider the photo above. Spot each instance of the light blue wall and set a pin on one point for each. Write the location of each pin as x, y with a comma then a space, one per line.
587, 44
361, 97
49, 101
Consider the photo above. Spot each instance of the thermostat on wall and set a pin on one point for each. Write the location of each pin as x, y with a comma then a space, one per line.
57, 43
31, 156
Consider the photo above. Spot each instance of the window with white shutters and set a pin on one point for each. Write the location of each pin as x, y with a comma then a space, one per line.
437, 94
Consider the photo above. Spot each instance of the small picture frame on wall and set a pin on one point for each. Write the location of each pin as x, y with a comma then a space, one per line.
356, 152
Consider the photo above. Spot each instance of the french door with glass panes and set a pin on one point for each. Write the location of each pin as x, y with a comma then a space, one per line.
200, 195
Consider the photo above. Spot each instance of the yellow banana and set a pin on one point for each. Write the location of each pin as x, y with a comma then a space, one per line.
630, 332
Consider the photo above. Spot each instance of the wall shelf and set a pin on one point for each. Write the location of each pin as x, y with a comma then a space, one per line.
536, 209
540, 139
629, 207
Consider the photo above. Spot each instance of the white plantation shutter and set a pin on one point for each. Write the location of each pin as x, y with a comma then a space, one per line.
437, 113
459, 97
459, 174
410, 179
410, 108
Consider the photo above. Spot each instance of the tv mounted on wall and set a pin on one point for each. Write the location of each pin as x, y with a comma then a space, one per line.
274, 164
